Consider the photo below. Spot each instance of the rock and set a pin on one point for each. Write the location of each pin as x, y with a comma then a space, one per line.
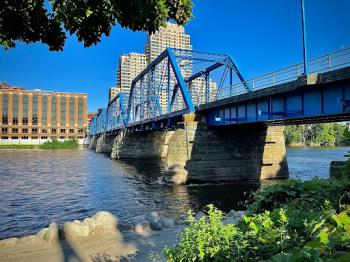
167, 222
199, 215
138, 219
154, 219
28, 240
99, 223
76, 230
105, 220
10, 242
231, 220
143, 228
233, 217
49, 234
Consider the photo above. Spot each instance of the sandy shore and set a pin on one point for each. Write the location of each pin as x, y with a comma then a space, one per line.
124, 245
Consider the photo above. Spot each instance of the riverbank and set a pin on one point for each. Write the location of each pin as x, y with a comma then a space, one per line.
54, 144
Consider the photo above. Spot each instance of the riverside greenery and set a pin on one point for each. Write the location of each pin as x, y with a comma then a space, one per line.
54, 144
291, 221
323, 134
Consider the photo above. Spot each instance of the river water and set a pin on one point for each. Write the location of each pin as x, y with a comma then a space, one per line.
41, 186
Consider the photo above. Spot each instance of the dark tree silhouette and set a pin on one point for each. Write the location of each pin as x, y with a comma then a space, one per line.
32, 21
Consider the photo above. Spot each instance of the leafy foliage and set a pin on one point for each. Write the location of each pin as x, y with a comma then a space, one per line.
54, 144
268, 236
309, 195
324, 134
292, 221
34, 20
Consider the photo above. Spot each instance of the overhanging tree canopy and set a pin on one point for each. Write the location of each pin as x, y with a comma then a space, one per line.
31, 21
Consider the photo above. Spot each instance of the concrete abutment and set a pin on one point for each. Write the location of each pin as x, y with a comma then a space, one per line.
197, 153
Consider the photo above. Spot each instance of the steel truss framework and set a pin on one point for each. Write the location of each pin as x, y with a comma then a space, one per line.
181, 81
167, 89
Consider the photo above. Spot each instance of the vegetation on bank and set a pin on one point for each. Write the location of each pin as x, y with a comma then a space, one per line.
291, 221
325, 134
18, 146
54, 144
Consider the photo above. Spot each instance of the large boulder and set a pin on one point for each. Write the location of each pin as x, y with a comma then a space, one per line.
101, 222
9, 242
76, 230
167, 222
49, 234
199, 215
143, 228
233, 217
154, 219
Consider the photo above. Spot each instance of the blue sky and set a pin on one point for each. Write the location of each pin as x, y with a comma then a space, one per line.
261, 36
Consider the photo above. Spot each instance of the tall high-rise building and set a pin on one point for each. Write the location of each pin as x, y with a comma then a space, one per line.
112, 92
130, 65
170, 36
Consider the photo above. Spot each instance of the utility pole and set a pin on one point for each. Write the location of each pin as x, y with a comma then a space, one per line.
304, 35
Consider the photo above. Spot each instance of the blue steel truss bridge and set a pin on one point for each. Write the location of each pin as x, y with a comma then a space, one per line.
210, 85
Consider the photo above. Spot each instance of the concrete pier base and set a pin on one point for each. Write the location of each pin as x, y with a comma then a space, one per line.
93, 142
197, 153
104, 144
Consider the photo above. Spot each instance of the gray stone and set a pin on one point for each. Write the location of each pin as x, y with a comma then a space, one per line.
167, 222
200, 214
143, 228
154, 219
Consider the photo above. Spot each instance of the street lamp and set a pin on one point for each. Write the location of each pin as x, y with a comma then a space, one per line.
304, 35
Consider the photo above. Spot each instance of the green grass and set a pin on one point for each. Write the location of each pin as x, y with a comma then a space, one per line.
18, 146
71, 144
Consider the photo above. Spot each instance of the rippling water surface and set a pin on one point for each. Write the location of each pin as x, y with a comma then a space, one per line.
41, 186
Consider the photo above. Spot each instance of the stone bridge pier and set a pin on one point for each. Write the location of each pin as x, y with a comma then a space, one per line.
196, 153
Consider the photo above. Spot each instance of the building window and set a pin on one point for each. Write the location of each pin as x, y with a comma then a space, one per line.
34, 137
44, 137
25, 130
80, 137
5, 108
25, 110
4, 137
53, 111
54, 137
15, 130
71, 131
34, 130
80, 111
63, 131
4, 119
62, 137
35, 120
25, 121
35, 110
24, 137
44, 131
44, 110
4, 130
15, 110
63, 111
53, 131
71, 110
14, 137
80, 131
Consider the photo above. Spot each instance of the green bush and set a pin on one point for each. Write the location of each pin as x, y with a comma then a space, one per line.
54, 144
268, 236
294, 194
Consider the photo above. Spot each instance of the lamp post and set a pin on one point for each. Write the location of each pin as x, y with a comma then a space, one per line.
304, 35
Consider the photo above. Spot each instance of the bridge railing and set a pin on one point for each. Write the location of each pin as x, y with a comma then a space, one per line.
325, 63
